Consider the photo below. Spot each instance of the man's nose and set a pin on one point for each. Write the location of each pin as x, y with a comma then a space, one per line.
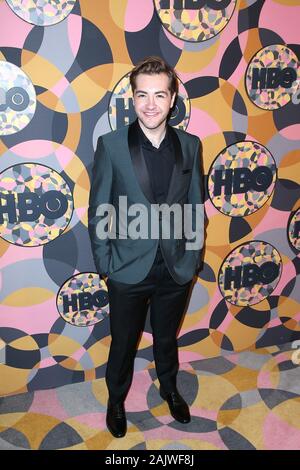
151, 102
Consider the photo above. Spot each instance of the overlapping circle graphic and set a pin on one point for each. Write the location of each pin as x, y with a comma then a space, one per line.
242, 178
42, 12
36, 204
194, 20
294, 229
250, 273
273, 76
121, 111
17, 99
83, 300
72, 68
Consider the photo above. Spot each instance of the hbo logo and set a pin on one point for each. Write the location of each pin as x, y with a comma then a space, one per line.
52, 204
195, 4
250, 274
84, 301
296, 232
273, 77
16, 98
241, 180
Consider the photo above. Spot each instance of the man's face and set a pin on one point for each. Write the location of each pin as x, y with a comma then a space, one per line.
152, 99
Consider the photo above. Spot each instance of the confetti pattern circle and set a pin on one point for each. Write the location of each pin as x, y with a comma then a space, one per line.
272, 77
121, 110
194, 21
294, 230
83, 300
42, 12
250, 273
17, 99
242, 178
39, 204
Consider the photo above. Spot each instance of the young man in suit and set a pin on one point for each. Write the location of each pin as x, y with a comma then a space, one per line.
151, 165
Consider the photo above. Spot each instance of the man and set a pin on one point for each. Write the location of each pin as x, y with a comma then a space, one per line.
151, 164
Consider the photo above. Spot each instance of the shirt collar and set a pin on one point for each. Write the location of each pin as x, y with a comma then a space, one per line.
146, 142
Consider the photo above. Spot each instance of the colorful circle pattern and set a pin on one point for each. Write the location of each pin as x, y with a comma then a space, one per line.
194, 21
83, 300
294, 230
17, 99
42, 12
242, 178
272, 76
250, 273
39, 202
74, 67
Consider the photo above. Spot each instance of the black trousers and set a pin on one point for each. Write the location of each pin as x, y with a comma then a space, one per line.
128, 309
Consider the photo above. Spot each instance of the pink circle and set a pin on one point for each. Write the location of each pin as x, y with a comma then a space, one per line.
137, 18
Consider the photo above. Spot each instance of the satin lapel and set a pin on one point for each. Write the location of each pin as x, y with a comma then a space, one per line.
139, 163
177, 170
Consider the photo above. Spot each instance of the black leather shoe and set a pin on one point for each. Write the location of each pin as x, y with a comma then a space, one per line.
178, 407
116, 419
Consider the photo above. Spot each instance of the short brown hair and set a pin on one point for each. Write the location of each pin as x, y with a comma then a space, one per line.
153, 65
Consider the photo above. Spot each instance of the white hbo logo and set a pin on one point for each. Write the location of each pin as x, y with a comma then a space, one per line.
17, 99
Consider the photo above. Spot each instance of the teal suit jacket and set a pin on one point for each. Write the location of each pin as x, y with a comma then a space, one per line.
120, 170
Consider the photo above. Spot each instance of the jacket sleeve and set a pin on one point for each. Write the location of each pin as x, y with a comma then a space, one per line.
100, 194
196, 201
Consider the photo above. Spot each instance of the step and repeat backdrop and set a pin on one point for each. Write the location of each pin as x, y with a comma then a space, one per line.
64, 80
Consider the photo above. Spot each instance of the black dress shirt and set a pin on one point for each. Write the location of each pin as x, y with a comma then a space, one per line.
160, 162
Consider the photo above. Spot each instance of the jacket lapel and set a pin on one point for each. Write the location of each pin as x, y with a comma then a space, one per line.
140, 166
176, 176
138, 162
